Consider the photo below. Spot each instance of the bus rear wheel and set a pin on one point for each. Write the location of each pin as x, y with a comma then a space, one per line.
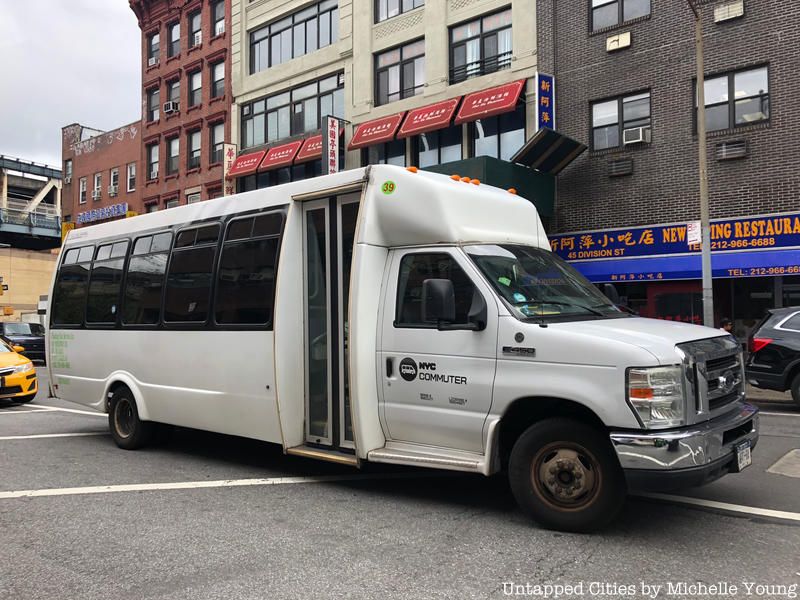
127, 429
564, 475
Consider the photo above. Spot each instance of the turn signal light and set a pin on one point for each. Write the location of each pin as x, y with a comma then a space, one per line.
757, 344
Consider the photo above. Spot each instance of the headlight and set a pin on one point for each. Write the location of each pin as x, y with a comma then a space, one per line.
24, 368
656, 395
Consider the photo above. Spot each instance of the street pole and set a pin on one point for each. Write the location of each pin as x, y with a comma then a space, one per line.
705, 226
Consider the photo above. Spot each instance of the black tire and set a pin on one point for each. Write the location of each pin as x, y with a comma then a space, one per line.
587, 487
127, 429
796, 389
24, 399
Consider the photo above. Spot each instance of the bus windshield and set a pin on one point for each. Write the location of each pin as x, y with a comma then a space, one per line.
539, 285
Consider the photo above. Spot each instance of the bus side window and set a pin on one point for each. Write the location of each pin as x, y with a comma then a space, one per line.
69, 294
245, 293
105, 283
190, 275
145, 280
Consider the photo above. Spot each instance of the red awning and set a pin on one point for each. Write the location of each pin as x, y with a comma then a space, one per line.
428, 118
280, 156
376, 132
246, 164
490, 102
312, 148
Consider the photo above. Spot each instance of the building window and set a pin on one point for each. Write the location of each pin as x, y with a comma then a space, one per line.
300, 33
171, 203
131, 177
195, 29
390, 153
113, 183
218, 17
500, 136
193, 197
400, 73
294, 112
193, 156
481, 46
217, 142
195, 88
174, 94
173, 152
82, 190
152, 161
386, 9
151, 208
607, 13
152, 104
174, 47
218, 80
608, 127
98, 183
438, 147
153, 46
736, 99
68, 170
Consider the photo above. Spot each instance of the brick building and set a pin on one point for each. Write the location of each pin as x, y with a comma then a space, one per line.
102, 174
625, 85
186, 98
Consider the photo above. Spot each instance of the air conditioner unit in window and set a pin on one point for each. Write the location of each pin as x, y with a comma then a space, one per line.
152, 61
198, 38
67, 180
170, 107
96, 194
113, 190
154, 174
636, 135
219, 28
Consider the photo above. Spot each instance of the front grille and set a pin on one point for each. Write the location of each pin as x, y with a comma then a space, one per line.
726, 362
720, 401
9, 390
714, 376
6, 372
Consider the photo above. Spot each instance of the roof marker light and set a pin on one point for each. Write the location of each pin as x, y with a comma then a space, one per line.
412, 169
465, 179
512, 191
475, 182
455, 177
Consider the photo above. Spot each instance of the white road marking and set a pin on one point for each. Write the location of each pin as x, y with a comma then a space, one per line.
22, 412
778, 414
6, 438
186, 485
91, 413
735, 508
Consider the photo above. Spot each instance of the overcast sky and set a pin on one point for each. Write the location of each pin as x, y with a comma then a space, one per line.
62, 62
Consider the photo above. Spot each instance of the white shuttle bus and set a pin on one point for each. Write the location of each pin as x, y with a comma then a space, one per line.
394, 316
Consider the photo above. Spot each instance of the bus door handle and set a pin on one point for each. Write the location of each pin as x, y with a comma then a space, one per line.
389, 368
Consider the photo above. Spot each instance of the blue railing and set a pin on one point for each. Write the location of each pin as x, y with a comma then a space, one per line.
30, 219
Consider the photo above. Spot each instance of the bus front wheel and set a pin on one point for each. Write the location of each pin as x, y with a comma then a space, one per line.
564, 474
127, 429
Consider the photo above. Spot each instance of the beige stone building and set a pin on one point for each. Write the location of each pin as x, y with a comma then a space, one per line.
372, 63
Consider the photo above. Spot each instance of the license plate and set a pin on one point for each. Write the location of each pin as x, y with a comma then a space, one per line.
743, 457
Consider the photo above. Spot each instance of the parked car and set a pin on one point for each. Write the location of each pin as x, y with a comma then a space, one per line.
774, 345
28, 335
18, 380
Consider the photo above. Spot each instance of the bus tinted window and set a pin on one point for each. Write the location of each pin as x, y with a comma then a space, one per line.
104, 287
69, 294
189, 284
143, 289
269, 224
207, 235
246, 282
161, 242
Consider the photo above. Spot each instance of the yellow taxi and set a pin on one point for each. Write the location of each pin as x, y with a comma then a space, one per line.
17, 375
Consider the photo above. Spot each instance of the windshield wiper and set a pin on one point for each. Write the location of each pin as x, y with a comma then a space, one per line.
558, 303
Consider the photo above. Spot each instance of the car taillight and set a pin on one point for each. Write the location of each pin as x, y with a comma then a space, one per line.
757, 344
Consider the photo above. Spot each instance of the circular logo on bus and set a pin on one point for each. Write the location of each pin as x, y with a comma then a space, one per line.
388, 187
408, 369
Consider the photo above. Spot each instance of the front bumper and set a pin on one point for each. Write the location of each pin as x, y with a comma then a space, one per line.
686, 457
19, 384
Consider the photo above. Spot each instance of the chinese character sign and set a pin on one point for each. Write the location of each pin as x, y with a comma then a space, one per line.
229, 157
545, 102
330, 151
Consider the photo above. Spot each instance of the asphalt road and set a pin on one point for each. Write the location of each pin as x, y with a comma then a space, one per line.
210, 516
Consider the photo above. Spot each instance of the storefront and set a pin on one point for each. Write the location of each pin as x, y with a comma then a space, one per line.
755, 263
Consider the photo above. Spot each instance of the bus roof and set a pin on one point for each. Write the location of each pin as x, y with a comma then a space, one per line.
401, 208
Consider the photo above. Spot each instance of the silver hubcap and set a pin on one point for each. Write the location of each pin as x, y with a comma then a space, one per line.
123, 418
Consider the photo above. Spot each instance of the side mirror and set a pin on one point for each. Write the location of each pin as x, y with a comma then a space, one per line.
611, 292
438, 301
18, 348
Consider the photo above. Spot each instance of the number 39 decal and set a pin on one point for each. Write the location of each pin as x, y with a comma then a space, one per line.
388, 187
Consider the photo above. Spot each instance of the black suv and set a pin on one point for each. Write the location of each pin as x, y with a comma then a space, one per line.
28, 335
774, 345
